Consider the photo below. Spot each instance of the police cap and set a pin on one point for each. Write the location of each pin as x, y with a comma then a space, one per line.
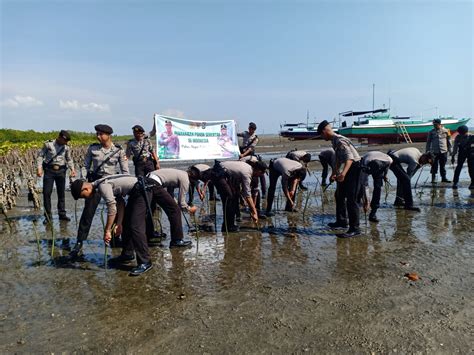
167, 122
252, 125
138, 128
65, 134
223, 126
437, 120
76, 188
104, 128
322, 126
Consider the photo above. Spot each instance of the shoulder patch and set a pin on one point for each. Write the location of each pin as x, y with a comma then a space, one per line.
118, 146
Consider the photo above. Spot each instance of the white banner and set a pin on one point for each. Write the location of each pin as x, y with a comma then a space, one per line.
180, 139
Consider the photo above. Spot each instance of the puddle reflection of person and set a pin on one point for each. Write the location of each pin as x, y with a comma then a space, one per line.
242, 258
169, 141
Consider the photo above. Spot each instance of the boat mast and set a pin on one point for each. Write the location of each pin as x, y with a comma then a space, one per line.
307, 118
373, 97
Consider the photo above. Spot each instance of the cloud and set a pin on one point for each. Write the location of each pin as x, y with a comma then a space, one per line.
172, 112
21, 101
75, 105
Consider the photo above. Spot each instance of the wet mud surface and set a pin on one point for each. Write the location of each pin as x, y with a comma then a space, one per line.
288, 286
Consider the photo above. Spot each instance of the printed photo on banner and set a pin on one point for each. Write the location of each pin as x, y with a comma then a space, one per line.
180, 139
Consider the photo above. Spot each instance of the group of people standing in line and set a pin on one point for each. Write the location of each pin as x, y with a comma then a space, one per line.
131, 200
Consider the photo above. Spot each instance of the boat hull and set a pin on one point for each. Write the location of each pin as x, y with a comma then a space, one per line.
393, 134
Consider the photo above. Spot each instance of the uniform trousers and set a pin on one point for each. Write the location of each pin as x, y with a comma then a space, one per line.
346, 198
49, 179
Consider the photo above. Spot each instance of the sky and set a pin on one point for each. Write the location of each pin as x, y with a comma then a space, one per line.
73, 64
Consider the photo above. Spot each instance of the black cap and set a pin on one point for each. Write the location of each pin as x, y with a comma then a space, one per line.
138, 128
104, 128
65, 134
252, 125
76, 188
167, 122
260, 165
463, 129
321, 126
223, 126
437, 120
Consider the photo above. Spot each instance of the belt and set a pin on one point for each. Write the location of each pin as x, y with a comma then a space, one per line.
154, 177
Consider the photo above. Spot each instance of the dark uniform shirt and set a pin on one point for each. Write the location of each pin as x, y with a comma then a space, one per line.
49, 150
96, 154
460, 143
139, 150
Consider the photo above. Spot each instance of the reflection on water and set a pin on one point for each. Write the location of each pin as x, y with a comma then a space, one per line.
287, 247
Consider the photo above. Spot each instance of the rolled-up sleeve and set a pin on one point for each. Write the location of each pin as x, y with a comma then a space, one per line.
41, 156
246, 180
69, 160
183, 190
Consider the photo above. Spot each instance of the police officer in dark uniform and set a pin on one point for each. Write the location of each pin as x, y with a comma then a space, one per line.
348, 184
52, 163
460, 149
470, 159
102, 159
140, 149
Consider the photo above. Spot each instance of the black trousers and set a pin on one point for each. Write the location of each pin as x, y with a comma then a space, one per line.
470, 165
263, 185
325, 172
274, 175
403, 183
230, 200
142, 168
462, 156
439, 159
49, 178
163, 199
347, 196
134, 227
378, 170
87, 216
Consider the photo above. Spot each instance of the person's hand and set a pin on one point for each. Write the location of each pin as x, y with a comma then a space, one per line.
201, 196
385, 178
254, 216
39, 172
292, 194
118, 230
73, 173
107, 236
192, 210
333, 177
340, 177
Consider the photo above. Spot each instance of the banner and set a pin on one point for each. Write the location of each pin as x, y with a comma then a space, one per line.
180, 139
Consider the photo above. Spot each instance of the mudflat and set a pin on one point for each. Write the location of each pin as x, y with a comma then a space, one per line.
288, 285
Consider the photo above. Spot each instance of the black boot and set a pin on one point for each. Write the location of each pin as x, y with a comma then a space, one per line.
373, 216
76, 250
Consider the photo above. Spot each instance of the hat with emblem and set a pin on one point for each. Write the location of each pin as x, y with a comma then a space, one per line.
138, 128
65, 134
104, 128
